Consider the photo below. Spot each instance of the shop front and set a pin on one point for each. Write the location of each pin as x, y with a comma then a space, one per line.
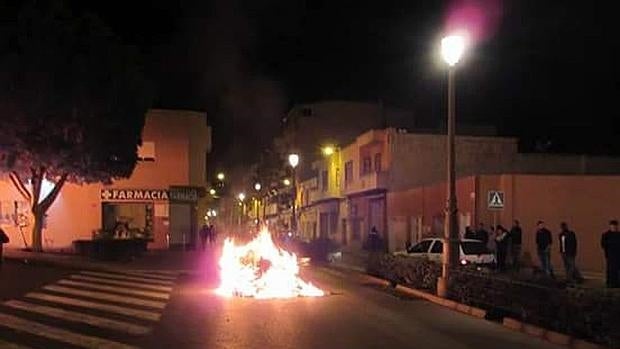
166, 218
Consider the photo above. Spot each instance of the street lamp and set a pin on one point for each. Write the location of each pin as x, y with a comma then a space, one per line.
328, 150
241, 197
293, 160
220, 176
257, 187
286, 182
212, 192
452, 49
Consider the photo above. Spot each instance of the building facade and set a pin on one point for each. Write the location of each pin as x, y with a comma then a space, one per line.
163, 199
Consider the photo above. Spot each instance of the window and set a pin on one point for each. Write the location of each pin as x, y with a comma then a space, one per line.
366, 165
146, 152
421, 247
378, 162
437, 247
324, 180
348, 172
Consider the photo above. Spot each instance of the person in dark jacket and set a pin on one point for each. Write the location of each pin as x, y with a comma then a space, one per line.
543, 247
568, 251
469, 233
610, 242
4, 239
482, 234
515, 245
501, 247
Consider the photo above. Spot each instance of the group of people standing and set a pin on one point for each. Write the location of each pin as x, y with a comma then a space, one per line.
508, 243
207, 234
610, 243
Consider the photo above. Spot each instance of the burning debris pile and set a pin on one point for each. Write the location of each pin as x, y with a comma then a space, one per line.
261, 270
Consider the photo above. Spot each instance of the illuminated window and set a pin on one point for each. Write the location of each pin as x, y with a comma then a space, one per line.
146, 152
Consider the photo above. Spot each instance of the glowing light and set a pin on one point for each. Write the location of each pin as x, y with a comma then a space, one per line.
293, 160
261, 270
328, 150
452, 48
257, 186
286, 182
241, 196
212, 191
220, 176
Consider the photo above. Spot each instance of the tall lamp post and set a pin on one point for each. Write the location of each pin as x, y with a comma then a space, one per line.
257, 187
241, 198
452, 48
293, 160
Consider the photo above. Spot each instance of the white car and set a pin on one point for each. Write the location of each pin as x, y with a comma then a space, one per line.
470, 251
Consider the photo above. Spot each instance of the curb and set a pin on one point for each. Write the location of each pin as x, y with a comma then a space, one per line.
513, 324
549, 335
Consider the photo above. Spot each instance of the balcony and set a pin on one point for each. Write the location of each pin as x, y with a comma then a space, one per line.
367, 182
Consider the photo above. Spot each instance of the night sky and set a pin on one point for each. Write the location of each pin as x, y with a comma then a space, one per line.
540, 70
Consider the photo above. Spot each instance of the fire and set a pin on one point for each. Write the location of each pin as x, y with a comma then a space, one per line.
261, 270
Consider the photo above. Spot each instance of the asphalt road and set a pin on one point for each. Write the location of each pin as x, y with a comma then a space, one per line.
353, 316
54, 308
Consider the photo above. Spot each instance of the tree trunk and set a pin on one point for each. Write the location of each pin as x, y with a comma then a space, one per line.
38, 205
37, 231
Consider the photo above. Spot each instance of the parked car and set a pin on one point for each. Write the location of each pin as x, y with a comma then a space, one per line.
470, 251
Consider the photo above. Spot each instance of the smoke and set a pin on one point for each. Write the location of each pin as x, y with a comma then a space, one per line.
244, 105
479, 18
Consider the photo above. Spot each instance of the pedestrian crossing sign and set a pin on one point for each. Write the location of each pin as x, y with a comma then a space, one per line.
496, 200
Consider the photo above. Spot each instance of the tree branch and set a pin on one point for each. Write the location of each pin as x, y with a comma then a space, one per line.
49, 200
19, 185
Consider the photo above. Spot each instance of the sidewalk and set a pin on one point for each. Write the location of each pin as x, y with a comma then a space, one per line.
163, 260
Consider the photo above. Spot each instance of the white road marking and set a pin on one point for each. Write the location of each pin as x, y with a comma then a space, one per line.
115, 309
123, 283
116, 289
74, 316
128, 278
58, 334
151, 275
106, 296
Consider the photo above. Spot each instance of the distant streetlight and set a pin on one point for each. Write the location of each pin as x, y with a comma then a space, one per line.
452, 49
328, 150
286, 182
257, 186
293, 160
241, 197
221, 176
212, 191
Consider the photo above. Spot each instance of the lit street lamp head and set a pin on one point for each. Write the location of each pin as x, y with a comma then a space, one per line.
452, 48
257, 186
286, 182
220, 176
293, 160
212, 191
241, 196
328, 150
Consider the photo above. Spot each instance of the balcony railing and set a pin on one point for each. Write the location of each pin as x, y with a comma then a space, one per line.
366, 182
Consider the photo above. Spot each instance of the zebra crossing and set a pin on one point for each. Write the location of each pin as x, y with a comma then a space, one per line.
88, 309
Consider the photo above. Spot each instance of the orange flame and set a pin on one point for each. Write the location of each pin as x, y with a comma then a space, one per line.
261, 270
